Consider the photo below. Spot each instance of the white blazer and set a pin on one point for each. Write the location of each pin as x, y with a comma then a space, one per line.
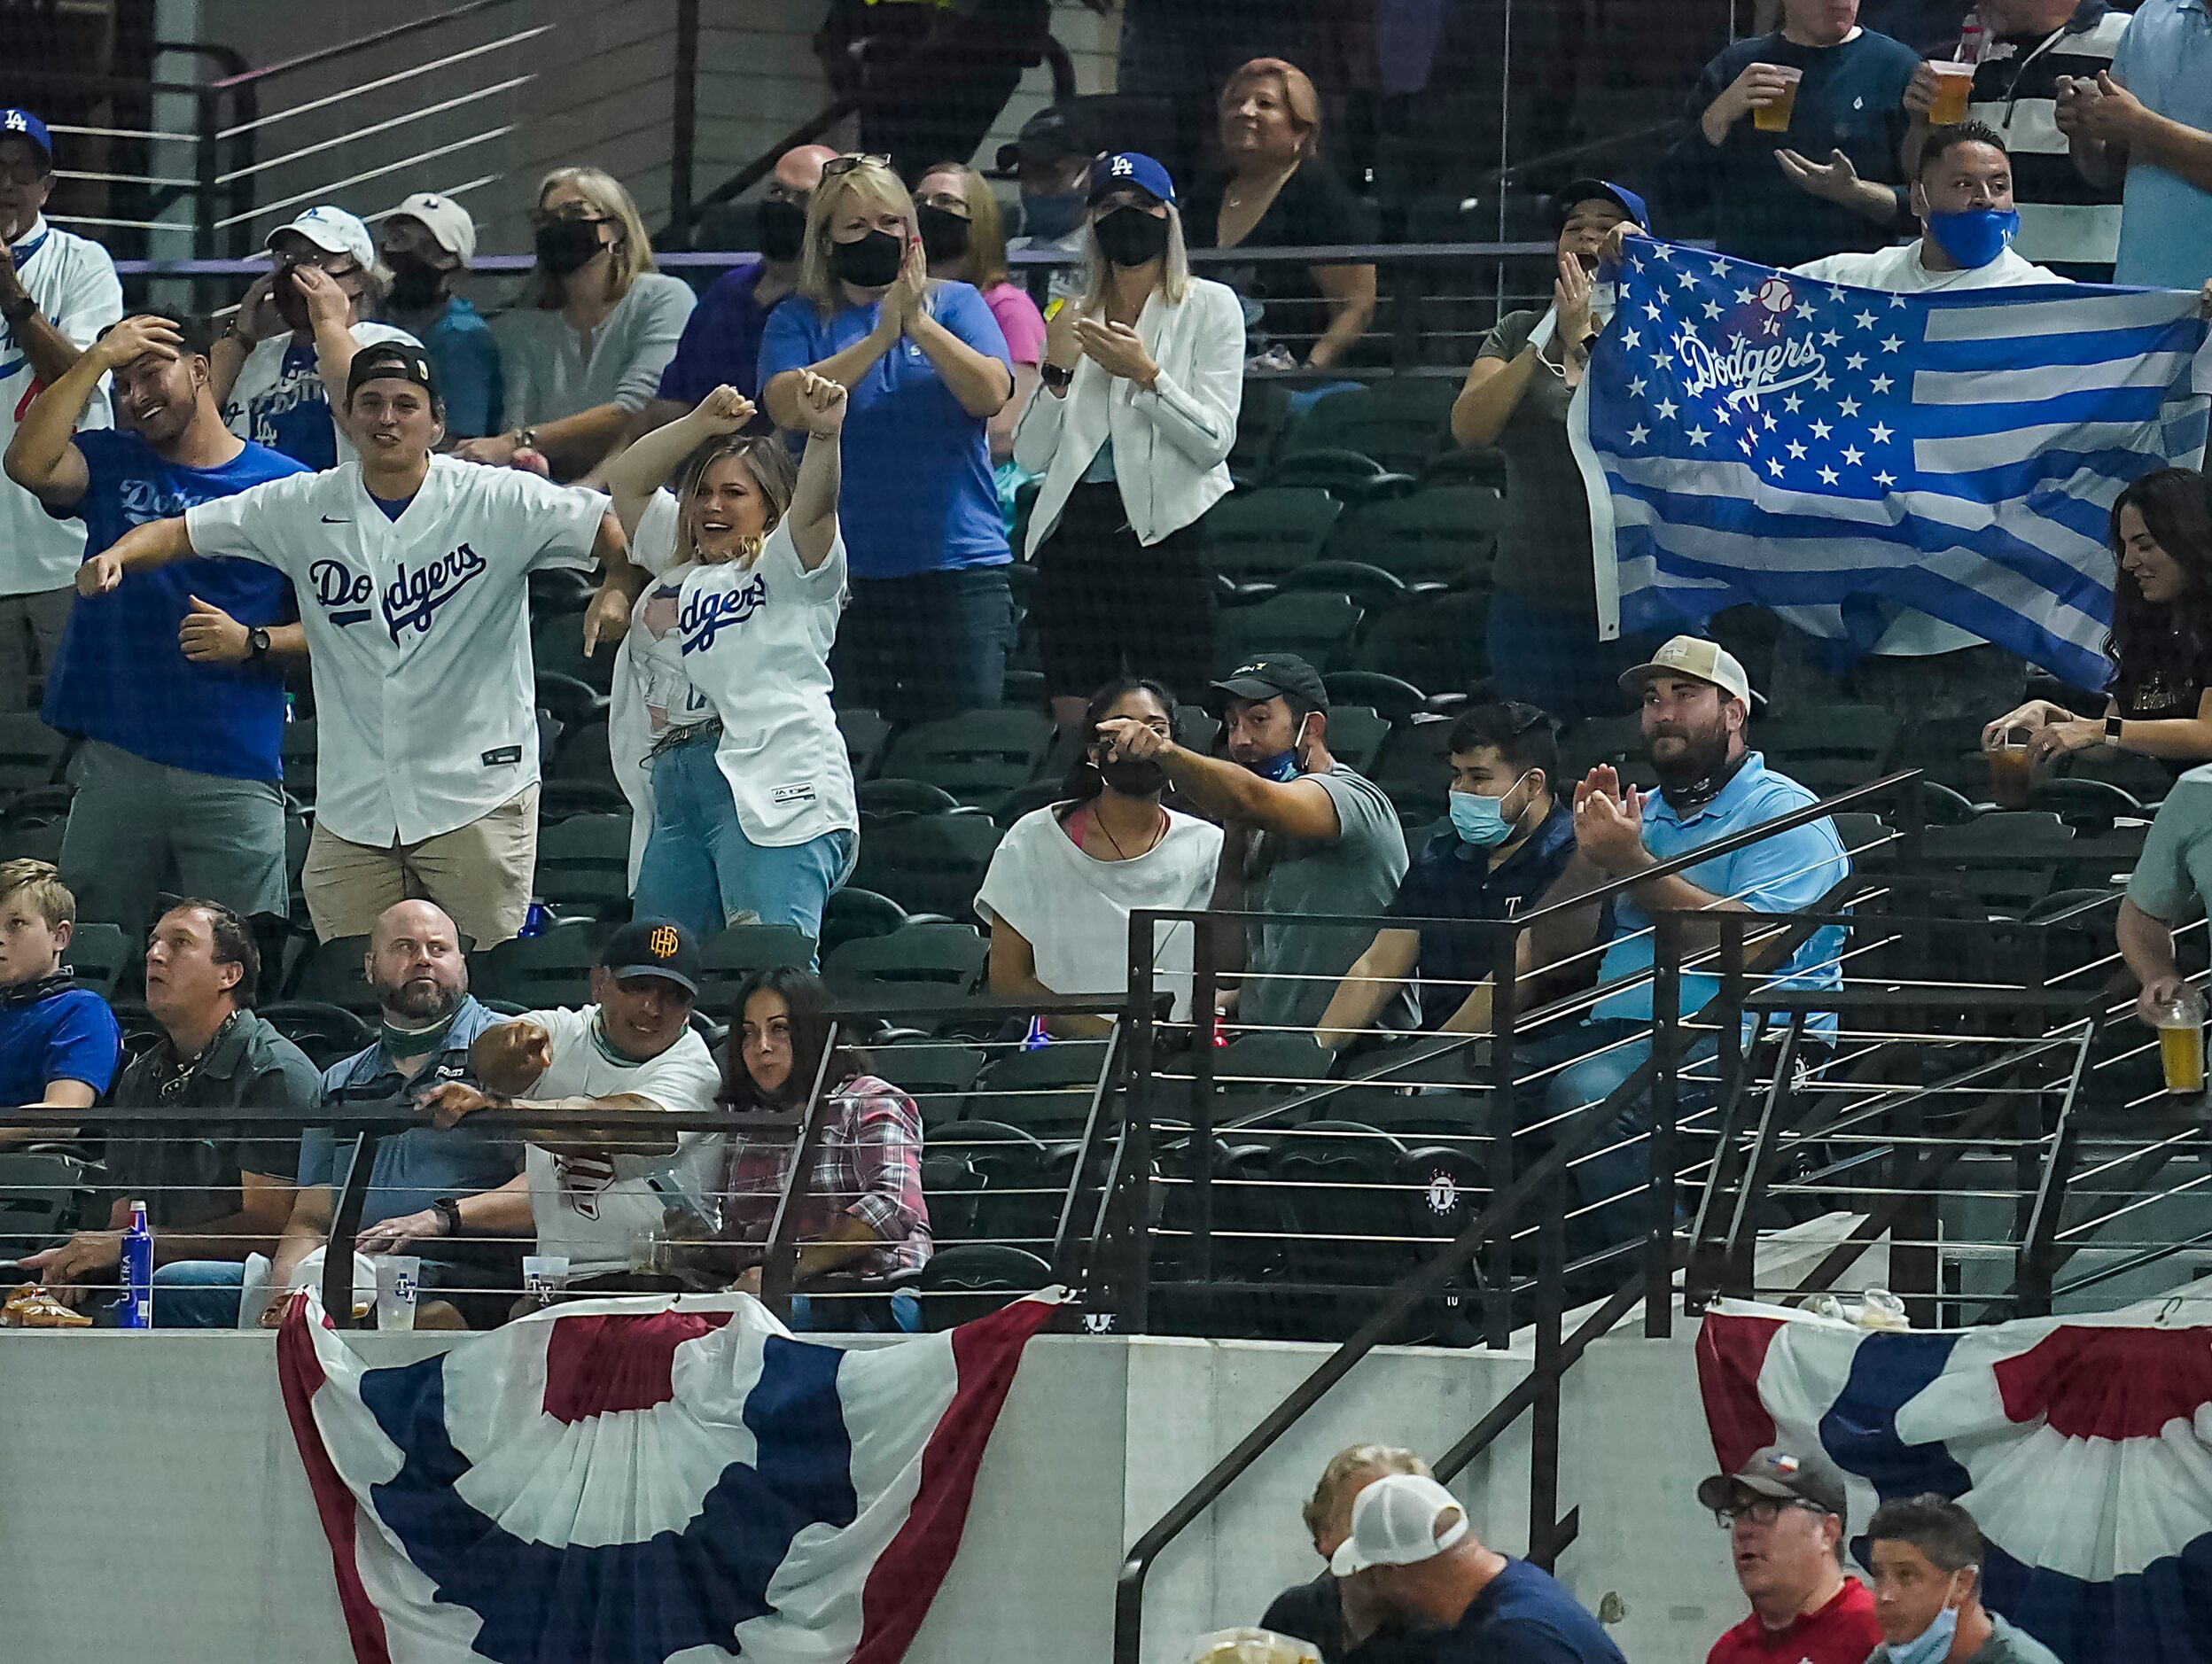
1171, 442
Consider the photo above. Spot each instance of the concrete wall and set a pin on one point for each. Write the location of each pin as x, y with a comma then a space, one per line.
153, 1499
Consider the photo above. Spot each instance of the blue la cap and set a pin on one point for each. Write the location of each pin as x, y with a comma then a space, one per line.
1584, 189
22, 124
1117, 170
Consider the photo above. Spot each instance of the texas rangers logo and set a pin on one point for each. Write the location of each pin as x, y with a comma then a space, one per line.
706, 614
411, 599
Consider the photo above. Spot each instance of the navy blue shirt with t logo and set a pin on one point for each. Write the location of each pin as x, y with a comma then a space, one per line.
1451, 878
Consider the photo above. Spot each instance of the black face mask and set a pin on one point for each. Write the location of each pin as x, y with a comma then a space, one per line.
871, 260
292, 306
782, 231
944, 233
566, 245
417, 284
1133, 776
1130, 236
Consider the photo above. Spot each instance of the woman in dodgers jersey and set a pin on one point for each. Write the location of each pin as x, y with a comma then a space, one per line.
722, 732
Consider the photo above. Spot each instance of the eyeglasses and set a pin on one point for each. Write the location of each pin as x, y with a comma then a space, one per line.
577, 211
1764, 1512
847, 163
330, 265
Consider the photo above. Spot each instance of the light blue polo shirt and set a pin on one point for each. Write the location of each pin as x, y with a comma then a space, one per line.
1783, 874
2165, 59
2174, 873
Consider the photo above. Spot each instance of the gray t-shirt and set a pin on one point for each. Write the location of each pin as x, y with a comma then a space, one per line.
2174, 876
1545, 553
2007, 1644
549, 375
1291, 969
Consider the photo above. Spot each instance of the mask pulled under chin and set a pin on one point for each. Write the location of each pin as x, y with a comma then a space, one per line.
1975, 237
1932, 1645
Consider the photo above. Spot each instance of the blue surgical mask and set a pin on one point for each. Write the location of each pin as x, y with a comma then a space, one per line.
1047, 218
1282, 767
1932, 1645
1975, 237
1481, 820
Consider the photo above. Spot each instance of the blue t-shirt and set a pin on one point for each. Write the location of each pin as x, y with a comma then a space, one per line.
1783, 874
120, 677
721, 341
66, 1036
302, 427
1524, 1617
465, 361
919, 494
2165, 59
1452, 879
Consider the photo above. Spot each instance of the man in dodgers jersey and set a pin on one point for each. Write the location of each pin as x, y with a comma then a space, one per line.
57, 293
594, 1199
412, 573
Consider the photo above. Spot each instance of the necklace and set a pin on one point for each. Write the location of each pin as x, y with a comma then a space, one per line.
1235, 197
1159, 831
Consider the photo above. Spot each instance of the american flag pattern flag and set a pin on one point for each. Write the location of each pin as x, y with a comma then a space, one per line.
1748, 435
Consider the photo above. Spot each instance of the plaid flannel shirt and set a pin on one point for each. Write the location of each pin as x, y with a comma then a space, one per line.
868, 1165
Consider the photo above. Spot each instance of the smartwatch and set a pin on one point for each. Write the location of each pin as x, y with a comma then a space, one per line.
1055, 379
2112, 731
256, 645
450, 1210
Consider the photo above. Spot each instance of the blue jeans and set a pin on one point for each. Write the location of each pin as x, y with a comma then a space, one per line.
197, 1294
931, 645
700, 869
900, 1314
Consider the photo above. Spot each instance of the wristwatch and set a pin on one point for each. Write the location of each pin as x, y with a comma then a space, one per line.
256, 645
1055, 379
450, 1210
17, 310
2112, 731
526, 438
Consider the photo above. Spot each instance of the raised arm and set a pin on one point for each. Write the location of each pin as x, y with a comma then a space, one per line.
1296, 808
814, 511
653, 458
330, 314
43, 457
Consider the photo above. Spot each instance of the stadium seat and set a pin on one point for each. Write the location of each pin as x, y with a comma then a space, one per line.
42, 1195
1400, 422
1348, 476
934, 865
936, 1074
32, 841
1265, 533
584, 865
1460, 467
886, 798
559, 799
852, 912
583, 755
1318, 626
1393, 696
1374, 590
31, 753
1356, 736
296, 755
973, 1279
556, 643
1413, 768
865, 734
573, 704
553, 969
2089, 806
329, 974
1047, 1092
101, 954
1260, 421
921, 967
1197, 729
728, 957
1438, 646
1335, 1186
1023, 800
325, 1033
1010, 1191
1829, 751
979, 757
1443, 535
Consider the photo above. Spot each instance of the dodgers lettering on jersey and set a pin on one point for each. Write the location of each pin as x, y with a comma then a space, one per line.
343, 592
706, 614
412, 598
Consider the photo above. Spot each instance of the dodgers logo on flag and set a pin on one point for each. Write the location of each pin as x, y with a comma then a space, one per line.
2082, 1447
646, 1481
1842, 456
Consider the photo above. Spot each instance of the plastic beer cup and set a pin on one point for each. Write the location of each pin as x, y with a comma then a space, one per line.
2011, 774
2181, 1042
399, 1283
1774, 118
1954, 89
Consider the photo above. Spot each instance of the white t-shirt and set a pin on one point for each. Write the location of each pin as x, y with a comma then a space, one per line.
754, 642
671, 698
75, 284
1075, 910
596, 1211
419, 632
279, 382
1901, 271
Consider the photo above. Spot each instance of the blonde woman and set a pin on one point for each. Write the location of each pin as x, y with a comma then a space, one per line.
963, 236
1143, 378
722, 732
581, 350
926, 367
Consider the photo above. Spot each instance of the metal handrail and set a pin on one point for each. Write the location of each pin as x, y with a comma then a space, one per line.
250, 78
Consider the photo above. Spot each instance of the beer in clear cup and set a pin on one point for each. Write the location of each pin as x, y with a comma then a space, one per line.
2011, 774
1774, 118
2181, 1042
1954, 89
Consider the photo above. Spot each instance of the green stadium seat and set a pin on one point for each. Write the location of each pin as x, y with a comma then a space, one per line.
1441, 534
584, 865
934, 865
1316, 625
978, 757
1265, 533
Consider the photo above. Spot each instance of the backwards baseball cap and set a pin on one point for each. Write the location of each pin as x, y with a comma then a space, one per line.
23, 125
388, 360
1047, 136
1399, 1521
1782, 1474
654, 947
334, 232
1274, 676
1584, 189
1119, 170
1693, 655
446, 221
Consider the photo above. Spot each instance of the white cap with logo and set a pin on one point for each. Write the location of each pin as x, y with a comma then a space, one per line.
334, 232
1694, 657
446, 220
1399, 1520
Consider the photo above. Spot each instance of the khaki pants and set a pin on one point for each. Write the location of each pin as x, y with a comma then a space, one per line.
480, 873
30, 640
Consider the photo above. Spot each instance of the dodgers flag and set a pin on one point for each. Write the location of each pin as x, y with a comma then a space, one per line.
1840, 455
645, 1481
2082, 1446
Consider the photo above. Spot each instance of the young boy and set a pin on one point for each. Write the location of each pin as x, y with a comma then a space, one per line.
58, 1042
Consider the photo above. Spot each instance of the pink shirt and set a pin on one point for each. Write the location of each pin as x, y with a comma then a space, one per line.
1019, 321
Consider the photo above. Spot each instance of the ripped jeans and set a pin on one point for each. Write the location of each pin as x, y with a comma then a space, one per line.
700, 869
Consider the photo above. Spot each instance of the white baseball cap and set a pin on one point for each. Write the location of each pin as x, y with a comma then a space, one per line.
334, 232
1695, 656
446, 220
1399, 1521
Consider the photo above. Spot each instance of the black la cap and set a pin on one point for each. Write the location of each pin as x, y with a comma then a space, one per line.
1275, 674
390, 360
654, 947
